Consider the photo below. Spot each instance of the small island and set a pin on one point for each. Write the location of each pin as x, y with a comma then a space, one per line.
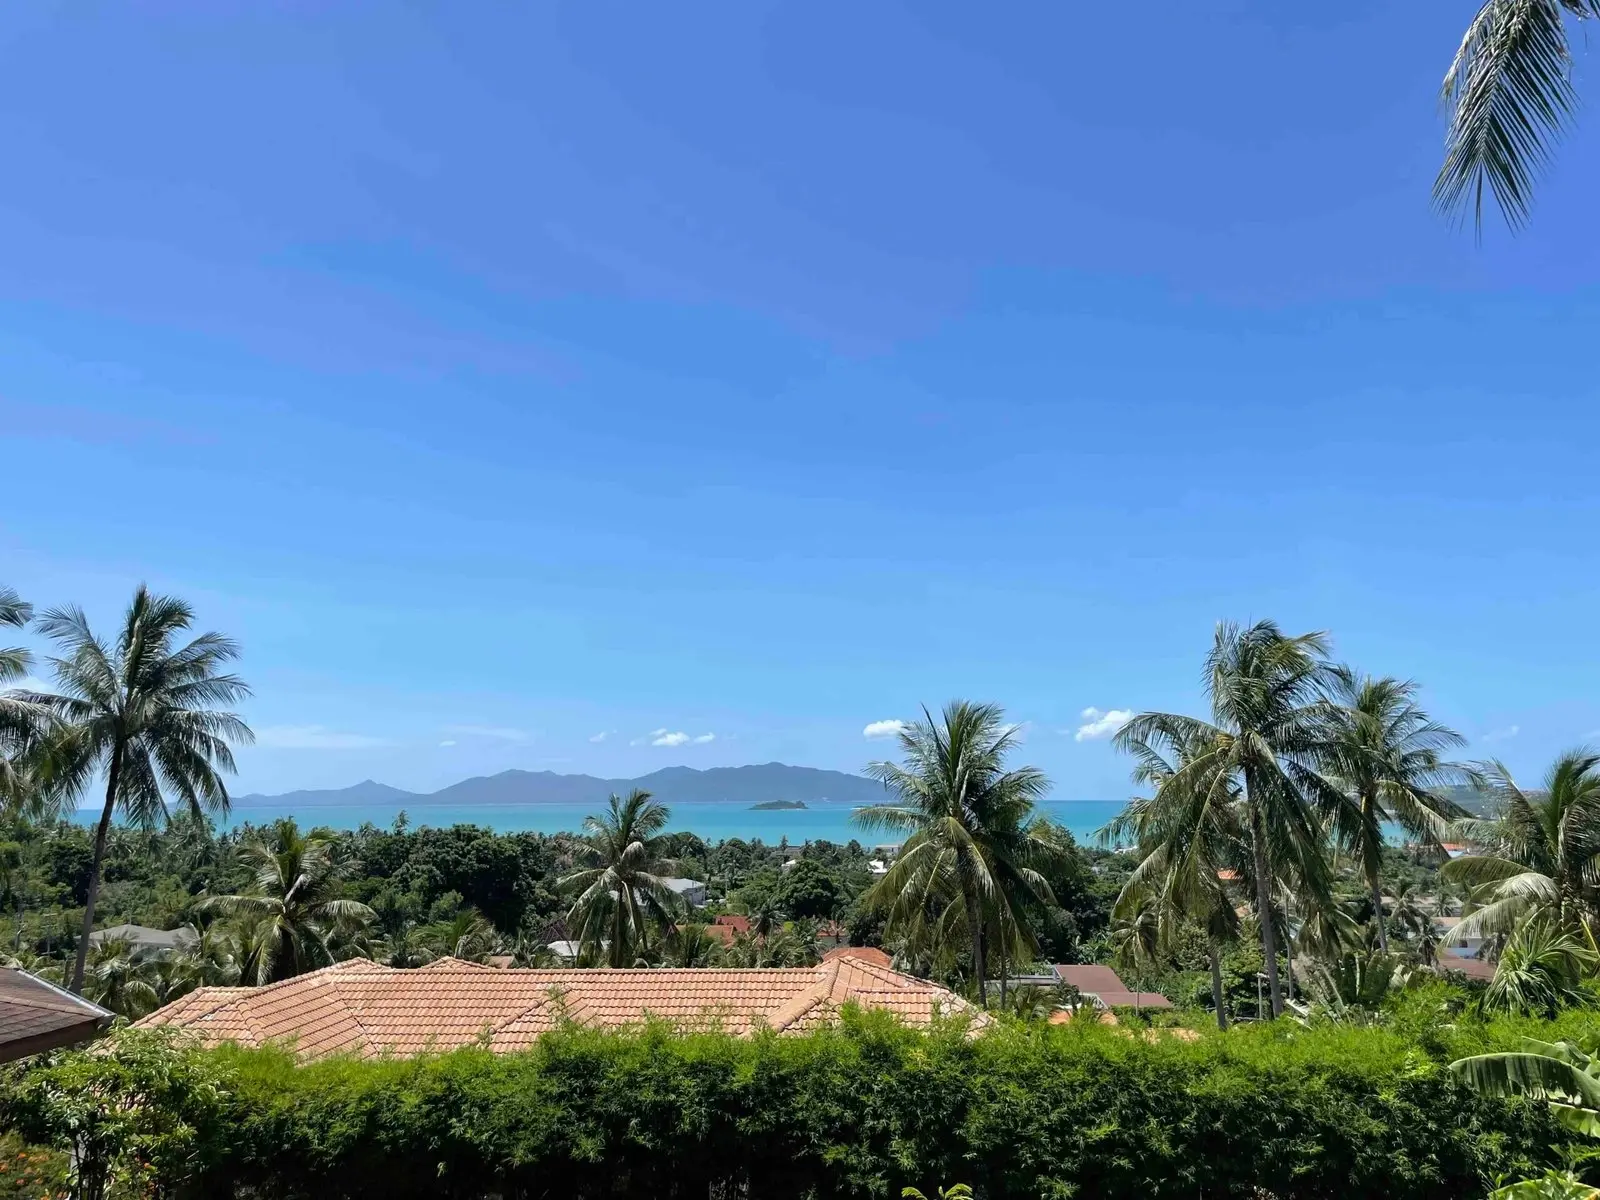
776, 805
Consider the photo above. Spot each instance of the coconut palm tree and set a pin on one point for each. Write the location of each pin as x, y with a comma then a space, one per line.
622, 892
1267, 739
120, 980
466, 935
20, 721
1510, 93
766, 916
146, 713
1388, 754
968, 823
1191, 844
1540, 970
293, 905
691, 946
1537, 857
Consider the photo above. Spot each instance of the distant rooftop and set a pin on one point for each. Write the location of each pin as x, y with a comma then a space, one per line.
363, 1008
143, 937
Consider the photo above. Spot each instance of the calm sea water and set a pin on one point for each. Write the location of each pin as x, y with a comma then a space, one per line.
711, 820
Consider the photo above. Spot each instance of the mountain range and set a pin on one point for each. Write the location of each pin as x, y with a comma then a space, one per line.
670, 785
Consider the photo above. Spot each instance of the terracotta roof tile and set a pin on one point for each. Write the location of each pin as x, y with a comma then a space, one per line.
865, 953
370, 1009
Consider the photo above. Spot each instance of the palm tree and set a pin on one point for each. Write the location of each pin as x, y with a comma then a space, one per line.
622, 892
691, 946
968, 821
1511, 96
20, 721
119, 980
293, 905
1540, 970
1191, 844
466, 935
1387, 752
15, 613
1267, 739
766, 916
1538, 854
147, 714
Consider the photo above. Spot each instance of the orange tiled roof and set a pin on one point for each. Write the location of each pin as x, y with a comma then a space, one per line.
869, 954
362, 1008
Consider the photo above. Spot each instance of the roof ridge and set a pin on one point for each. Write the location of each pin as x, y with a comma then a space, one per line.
825, 976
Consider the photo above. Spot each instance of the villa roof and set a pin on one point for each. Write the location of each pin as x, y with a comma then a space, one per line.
1106, 986
869, 954
366, 1009
1090, 977
36, 1016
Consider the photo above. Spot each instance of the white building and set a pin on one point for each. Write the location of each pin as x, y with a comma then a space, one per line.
693, 891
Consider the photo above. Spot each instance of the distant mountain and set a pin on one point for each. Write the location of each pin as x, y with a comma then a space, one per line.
366, 792
671, 785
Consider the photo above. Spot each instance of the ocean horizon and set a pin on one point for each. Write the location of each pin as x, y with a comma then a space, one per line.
710, 820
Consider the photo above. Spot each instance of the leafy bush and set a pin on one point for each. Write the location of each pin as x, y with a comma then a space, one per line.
868, 1108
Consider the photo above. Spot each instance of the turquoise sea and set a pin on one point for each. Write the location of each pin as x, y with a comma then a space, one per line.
711, 820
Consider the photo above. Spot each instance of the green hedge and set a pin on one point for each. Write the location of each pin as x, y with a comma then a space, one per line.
868, 1107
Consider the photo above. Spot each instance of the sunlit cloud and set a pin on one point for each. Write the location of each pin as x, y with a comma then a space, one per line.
1099, 724
882, 729
1502, 735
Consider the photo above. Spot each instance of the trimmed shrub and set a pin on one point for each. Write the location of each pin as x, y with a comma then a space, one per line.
869, 1107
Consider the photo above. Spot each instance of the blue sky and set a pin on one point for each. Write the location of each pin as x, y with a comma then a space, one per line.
505, 379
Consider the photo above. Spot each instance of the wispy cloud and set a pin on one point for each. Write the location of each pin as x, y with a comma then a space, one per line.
315, 737
1502, 735
448, 742
671, 737
499, 733
28, 683
1019, 730
601, 736
882, 729
1099, 724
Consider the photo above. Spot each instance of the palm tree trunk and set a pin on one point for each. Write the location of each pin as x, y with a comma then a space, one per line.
1377, 911
1368, 803
112, 774
1216, 984
978, 965
1269, 935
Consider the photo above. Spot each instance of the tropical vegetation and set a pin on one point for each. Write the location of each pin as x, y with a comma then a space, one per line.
1297, 850
1510, 96
863, 1109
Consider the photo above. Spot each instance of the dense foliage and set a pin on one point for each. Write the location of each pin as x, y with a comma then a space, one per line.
863, 1110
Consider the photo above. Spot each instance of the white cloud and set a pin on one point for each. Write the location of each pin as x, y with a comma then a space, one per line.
1502, 735
882, 729
314, 737
662, 738
704, 738
448, 742
499, 733
602, 735
1098, 724
1019, 730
